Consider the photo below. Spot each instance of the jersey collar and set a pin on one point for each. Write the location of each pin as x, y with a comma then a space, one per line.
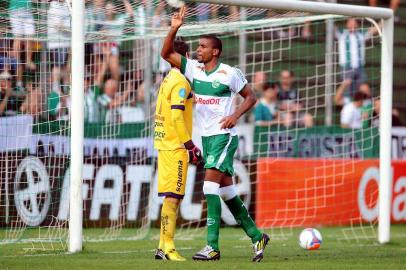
214, 70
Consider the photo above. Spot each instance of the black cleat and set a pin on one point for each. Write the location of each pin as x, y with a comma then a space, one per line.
259, 248
207, 254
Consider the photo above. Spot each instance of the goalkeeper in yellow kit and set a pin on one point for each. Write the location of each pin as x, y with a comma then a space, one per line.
172, 138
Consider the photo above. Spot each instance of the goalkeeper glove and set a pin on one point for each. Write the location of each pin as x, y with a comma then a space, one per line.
195, 154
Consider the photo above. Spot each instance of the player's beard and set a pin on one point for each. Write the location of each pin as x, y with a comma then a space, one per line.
201, 61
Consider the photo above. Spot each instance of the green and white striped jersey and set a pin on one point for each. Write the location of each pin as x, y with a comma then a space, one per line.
104, 102
214, 91
92, 110
351, 47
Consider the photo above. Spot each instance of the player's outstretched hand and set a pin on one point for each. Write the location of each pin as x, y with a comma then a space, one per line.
195, 154
228, 122
178, 17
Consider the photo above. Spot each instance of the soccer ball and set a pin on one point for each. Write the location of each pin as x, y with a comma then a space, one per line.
310, 239
175, 3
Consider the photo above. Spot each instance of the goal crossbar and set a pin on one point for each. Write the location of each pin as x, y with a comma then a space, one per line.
308, 6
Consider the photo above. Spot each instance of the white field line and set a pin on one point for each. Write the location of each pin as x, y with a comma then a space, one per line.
400, 235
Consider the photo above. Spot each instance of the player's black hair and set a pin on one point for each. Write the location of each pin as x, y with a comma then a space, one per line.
215, 41
358, 96
180, 46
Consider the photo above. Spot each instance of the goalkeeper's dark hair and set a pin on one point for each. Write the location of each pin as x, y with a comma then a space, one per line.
215, 41
180, 46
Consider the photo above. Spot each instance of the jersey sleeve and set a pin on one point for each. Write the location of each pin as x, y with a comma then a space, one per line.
238, 80
179, 94
186, 67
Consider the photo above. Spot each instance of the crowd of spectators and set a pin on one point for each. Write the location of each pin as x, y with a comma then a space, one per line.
114, 93
279, 103
30, 86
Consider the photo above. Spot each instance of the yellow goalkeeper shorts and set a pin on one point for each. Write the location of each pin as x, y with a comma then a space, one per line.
172, 172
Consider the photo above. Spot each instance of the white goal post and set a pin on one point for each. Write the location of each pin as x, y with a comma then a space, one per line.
77, 120
77, 126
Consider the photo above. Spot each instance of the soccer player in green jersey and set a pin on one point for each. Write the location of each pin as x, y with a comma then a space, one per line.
215, 85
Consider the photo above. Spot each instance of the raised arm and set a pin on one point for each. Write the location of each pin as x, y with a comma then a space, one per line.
128, 8
100, 75
168, 52
339, 96
121, 99
373, 30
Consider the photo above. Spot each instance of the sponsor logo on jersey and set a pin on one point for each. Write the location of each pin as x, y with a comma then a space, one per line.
208, 101
215, 83
182, 92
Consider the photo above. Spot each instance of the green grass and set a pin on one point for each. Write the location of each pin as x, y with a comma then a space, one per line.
335, 253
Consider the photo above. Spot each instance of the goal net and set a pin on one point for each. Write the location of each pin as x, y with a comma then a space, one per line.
308, 153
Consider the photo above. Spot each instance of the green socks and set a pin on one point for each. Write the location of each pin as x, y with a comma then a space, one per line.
213, 220
237, 208
243, 218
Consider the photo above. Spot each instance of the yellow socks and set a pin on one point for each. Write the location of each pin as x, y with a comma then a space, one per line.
168, 225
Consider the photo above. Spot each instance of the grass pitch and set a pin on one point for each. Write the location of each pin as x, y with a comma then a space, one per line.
236, 252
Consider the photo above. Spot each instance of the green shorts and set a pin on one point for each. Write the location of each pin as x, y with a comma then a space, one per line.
218, 152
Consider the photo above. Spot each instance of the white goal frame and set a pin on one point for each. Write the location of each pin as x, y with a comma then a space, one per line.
385, 175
